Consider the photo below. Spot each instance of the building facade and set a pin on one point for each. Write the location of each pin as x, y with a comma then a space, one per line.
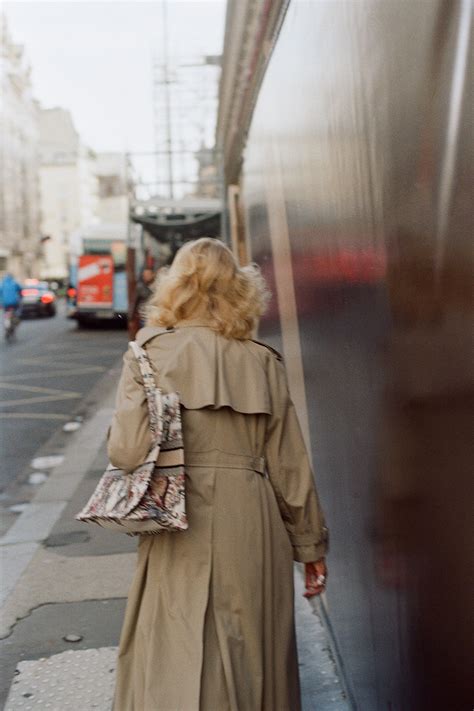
69, 189
20, 238
111, 171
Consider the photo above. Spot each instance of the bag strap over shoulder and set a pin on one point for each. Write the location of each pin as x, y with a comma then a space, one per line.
144, 362
153, 393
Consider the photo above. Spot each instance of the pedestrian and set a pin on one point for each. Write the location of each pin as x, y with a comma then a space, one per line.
143, 291
209, 623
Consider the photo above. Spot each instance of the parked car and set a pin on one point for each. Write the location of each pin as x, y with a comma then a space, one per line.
37, 299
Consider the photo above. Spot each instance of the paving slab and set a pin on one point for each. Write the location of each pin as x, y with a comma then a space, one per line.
57, 683
79, 457
45, 661
74, 538
41, 635
38, 518
13, 561
52, 578
34, 523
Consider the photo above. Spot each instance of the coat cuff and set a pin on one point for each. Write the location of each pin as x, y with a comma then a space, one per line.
309, 554
308, 548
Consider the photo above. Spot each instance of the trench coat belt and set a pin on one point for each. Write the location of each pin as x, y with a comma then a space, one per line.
224, 460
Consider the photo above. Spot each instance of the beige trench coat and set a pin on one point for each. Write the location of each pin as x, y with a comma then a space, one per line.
209, 624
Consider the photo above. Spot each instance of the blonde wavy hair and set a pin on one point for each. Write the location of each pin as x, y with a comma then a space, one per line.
205, 282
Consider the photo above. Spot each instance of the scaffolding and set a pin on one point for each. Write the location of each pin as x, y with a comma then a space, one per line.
185, 105
176, 189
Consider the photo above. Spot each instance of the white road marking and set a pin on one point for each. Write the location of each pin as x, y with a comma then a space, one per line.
45, 398
47, 462
87, 350
48, 362
72, 426
32, 416
18, 508
55, 373
36, 389
53, 368
37, 478
50, 394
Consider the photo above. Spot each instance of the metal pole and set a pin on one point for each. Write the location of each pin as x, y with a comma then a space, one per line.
169, 140
448, 165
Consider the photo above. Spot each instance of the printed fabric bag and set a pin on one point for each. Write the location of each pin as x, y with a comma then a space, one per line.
150, 499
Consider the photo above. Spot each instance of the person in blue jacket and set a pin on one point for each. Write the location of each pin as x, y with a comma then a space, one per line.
10, 293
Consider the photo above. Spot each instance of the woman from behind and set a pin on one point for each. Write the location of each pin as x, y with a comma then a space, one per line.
209, 624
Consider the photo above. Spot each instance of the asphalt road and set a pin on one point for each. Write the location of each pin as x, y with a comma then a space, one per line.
45, 376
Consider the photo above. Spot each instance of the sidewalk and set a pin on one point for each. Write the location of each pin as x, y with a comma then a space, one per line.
64, 587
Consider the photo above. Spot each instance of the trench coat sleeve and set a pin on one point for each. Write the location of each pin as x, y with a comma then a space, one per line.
129, 438
290, 473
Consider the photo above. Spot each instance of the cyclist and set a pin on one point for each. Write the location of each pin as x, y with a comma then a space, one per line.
10, 299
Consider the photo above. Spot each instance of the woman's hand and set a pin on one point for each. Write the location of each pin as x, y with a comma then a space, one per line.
315, 577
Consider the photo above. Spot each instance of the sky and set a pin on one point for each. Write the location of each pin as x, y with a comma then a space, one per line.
95, 59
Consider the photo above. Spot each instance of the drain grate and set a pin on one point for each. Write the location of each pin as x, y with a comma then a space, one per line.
66, 539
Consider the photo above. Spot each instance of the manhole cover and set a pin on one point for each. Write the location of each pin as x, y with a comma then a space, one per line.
66, 539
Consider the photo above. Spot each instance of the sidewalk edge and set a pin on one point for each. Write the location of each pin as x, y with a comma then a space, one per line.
35, 523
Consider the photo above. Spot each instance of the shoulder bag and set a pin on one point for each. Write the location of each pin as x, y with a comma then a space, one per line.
151, 499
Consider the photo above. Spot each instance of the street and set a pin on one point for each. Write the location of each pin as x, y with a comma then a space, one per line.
48, 376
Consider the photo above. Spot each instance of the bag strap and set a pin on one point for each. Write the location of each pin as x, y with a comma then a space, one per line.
152, 391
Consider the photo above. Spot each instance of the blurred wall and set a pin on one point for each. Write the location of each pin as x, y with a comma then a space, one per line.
357, 191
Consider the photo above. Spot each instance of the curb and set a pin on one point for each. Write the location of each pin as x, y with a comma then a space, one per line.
34, 524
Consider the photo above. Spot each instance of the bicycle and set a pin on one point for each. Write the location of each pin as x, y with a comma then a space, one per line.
10, 322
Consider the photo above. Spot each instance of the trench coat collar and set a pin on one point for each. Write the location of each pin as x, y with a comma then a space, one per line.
190, 322
148, 332
208, 370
